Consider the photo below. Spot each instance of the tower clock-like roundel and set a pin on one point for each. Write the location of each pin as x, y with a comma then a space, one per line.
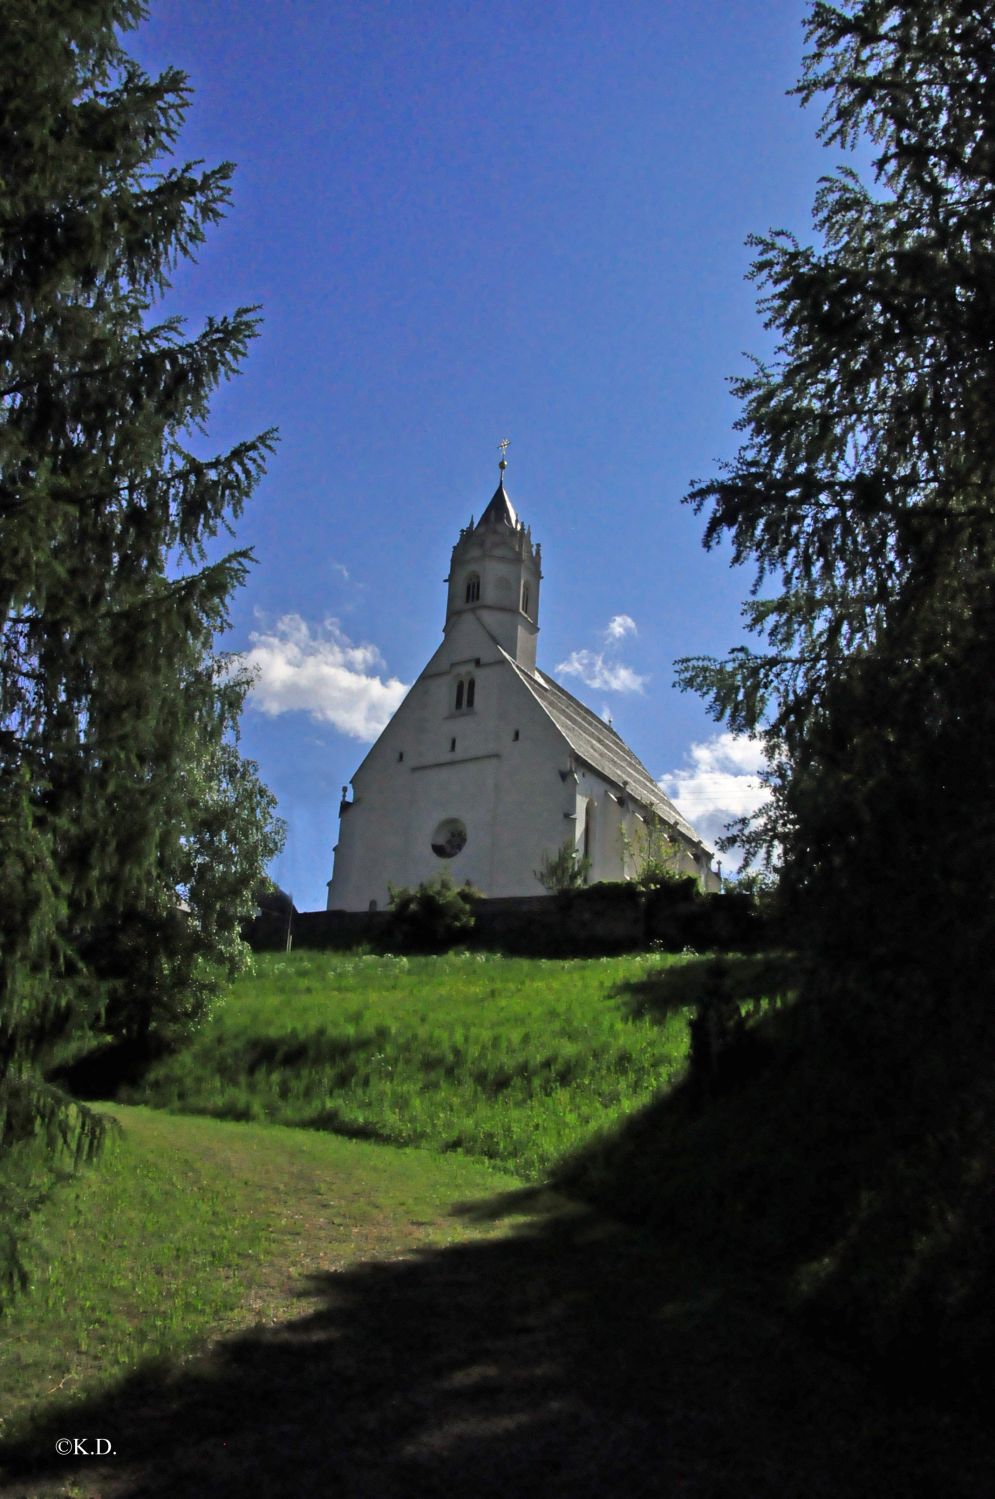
449, 838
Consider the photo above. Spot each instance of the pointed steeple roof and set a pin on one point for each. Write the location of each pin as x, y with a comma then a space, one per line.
500, 511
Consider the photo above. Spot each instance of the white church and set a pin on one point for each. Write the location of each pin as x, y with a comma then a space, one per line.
489, 766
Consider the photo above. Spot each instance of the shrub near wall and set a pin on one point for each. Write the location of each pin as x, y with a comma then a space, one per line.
673, 912
617, 916
608, 916
733, 922
679, 916
591, 919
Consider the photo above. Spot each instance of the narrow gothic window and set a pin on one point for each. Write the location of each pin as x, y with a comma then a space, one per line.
525, 598
470, 692
473, 588
400, 756
452, 745
515, 734
459, 695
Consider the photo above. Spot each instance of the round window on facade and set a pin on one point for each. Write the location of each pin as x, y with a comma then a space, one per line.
449, 838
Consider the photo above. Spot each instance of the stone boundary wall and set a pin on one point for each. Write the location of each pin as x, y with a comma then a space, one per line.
607, 918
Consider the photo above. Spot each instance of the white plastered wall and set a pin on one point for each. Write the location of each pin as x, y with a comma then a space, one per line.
508, 792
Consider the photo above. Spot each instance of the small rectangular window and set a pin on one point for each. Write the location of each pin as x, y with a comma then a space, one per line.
452, 745
515, 734
400, 756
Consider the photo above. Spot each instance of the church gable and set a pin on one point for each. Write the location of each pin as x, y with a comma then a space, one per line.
467, 638
414, 731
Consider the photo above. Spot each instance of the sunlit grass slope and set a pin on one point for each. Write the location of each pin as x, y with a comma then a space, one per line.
514, 1059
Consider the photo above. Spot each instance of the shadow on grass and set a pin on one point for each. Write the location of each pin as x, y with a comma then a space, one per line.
132, 1073
744, 977
571, 1357
846, 1175
105, 1069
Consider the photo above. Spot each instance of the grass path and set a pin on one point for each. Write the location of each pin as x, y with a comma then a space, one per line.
190, 1229
337, 1330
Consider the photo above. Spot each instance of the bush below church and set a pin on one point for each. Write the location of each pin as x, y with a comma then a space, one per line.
431, 917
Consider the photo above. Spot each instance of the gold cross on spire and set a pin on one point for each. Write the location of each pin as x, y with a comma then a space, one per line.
503, 447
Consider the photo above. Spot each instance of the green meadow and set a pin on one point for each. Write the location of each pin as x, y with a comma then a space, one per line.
515, 1060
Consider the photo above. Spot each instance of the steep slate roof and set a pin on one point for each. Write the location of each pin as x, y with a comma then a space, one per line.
596, 744
500, 510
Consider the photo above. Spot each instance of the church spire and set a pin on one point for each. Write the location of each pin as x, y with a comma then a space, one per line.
500, 511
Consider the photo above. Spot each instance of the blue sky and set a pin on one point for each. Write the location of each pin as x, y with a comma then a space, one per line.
466, 222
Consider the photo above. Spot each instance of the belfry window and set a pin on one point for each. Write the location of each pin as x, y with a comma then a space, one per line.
471, 688
459, 696
525, 598
473, 588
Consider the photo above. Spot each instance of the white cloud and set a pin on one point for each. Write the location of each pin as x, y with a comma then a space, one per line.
718, 782
619, 626
601, 669
321, 673
595, 670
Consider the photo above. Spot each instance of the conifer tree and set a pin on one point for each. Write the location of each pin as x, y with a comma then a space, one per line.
132, 834
864, 492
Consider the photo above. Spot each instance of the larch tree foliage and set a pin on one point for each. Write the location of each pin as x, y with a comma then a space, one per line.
864, 493
132, 832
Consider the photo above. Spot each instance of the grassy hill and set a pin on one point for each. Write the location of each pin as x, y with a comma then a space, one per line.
512, 1059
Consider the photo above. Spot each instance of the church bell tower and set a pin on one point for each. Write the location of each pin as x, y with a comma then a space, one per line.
495, 572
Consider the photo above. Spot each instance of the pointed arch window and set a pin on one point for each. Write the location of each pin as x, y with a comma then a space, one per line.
589, 831
464, 694
473, 588
525, 598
